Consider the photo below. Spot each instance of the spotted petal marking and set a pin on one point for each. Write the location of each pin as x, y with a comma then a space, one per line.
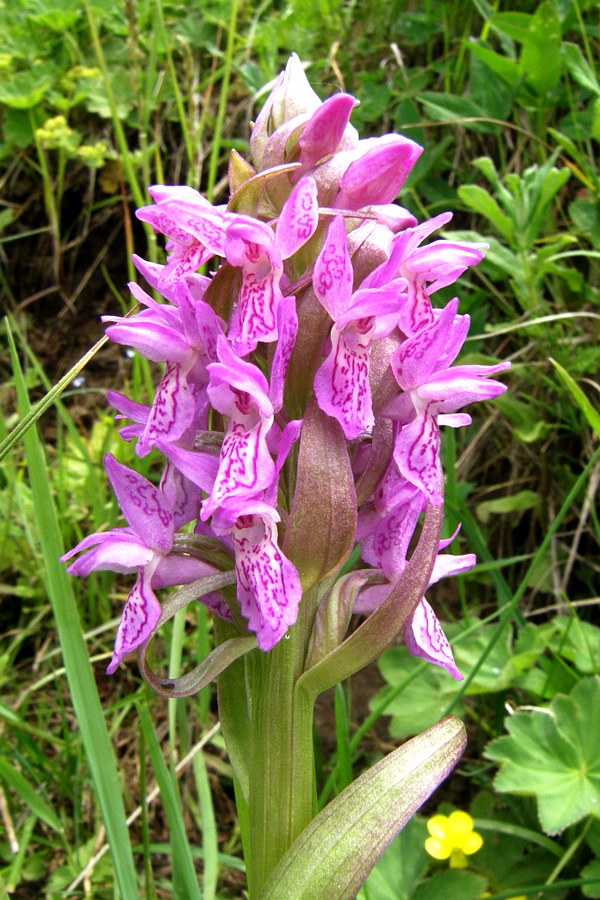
269, 588
146, 509
417, 455
141, 613
333, 274
299, 218
342, 384
425, 639
172, 411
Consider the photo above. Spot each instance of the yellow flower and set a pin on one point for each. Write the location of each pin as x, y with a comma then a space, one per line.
453, 838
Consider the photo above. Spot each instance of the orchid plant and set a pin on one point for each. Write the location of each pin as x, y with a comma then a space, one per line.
306, 379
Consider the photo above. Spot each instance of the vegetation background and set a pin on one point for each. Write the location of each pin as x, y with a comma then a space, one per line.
100, 99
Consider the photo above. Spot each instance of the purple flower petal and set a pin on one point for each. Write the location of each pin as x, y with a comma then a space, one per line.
417, 455
117, 550
425, 639
141, 613
332, 278
298, 219
146, 509
342, 384
269, 588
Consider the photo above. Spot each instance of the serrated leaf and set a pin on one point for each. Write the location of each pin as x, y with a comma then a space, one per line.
553, 755
336, 851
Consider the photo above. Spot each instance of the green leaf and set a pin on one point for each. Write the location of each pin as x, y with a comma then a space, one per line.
579, 68
483, 203
397, 873
590, 412
592, 870
540, 56
452, 884
90, 716
334, 854
553, 755
29, 794
505, 68
185, 880
25, 90
519, 502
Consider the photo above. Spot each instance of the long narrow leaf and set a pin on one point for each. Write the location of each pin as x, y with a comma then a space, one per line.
185, 882
94, 735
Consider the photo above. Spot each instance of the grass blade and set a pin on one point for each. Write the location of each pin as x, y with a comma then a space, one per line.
96, 742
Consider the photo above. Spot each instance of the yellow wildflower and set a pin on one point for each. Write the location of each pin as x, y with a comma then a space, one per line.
453, 838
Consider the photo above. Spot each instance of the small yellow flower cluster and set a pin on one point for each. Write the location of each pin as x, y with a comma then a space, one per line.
452, 837
55, 133
78, 73
93, 155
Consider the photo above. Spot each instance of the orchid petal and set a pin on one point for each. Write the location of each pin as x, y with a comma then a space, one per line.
146, 509
141, 613
332, 278
425, 639
269, 588
298, 219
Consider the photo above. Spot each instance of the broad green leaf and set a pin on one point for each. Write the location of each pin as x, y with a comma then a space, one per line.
452, 884
483, 203
553, 754
592, 870
24, 90
589, 411
579, 67
334, 854
505, 68
450, 108
421, 697
512, 503
514, 24
540, 55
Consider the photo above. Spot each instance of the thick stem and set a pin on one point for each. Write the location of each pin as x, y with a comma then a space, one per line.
282, 777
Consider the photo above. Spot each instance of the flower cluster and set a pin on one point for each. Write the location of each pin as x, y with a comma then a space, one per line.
319, 293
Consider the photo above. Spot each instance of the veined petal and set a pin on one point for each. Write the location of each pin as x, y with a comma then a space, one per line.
417, 455
332, 277
287, 328
299, 218
172, 411
416, 359
245, 466
182, 494
152, 339
342, 385
117, 550
146, 509
256, 314
141, 613
269, 588
425, 639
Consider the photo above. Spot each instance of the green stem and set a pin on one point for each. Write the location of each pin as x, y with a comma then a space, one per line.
282, 790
